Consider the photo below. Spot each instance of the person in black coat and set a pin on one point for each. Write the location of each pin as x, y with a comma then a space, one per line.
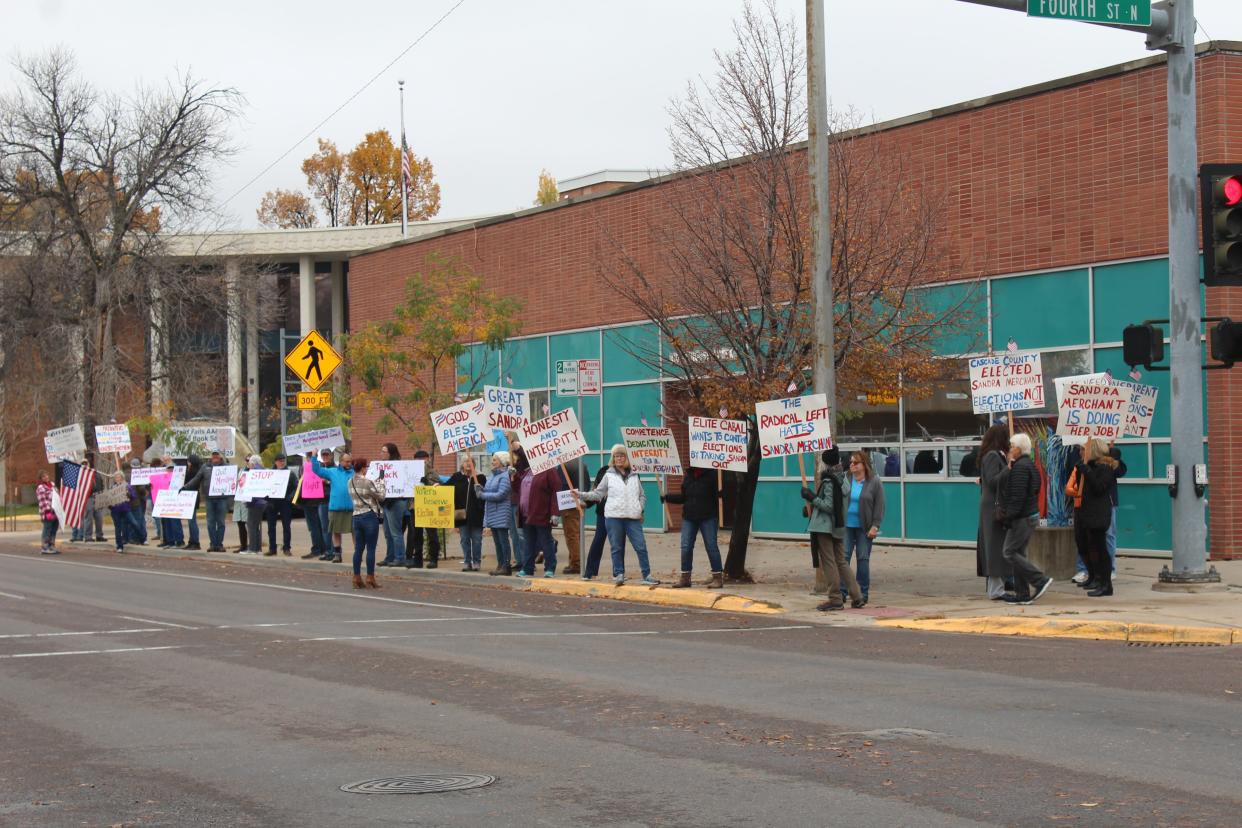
468, 504
1097, 475
596, 551
1019, 514
280, 509
700, 497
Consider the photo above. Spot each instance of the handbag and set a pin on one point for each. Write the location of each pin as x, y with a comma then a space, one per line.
1073, 488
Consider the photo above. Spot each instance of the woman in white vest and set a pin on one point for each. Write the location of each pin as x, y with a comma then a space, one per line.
623, 513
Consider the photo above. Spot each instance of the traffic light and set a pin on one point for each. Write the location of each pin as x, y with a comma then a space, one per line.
1226, 341
1142, 345
1220, 191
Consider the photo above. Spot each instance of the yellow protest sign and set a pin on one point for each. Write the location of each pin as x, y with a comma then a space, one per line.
313, 360
433, 507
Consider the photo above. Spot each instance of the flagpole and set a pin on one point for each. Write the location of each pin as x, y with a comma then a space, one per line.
403, 162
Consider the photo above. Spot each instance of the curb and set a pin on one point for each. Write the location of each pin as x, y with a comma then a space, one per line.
1056, 628
662, 596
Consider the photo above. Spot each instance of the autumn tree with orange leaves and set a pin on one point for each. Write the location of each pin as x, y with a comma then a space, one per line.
731, 294
287, 210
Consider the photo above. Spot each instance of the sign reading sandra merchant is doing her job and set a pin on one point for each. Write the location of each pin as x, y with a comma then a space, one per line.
794, 425
652, 450
1006, 382
1090, 405
552, 441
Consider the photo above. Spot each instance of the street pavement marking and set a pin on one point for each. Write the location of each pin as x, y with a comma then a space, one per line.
82, 632
284, 587
545, 634
11, 595
525, 617
90, 652
153, 621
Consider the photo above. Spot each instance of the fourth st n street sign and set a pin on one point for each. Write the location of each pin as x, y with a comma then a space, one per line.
1120, 12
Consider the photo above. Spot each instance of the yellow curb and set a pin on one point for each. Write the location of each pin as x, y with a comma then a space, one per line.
1057, 628
738, 603
1162, 634
584, 589
697, 598
665, 597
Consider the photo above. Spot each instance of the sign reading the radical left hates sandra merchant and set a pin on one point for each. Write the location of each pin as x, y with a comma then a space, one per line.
794, 425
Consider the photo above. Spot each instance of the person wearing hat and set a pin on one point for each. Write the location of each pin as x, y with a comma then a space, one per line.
826, 505
138, 514
281, 509
217, 507
255, 509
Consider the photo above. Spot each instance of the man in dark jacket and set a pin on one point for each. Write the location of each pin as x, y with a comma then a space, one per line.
596, 550
700, 498
1020, 513
538, 506
414, 536
217, 507
281, 508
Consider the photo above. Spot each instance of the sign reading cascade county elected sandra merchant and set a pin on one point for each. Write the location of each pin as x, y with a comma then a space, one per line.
462, 426
1006, 382
1090, 405
718, 444
652, 450
794, 425
553, 440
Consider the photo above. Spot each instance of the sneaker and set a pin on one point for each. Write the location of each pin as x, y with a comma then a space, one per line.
618, 579
588, 577
830, 607
1021, 600
1080, 578
650, 581
1041, 589
48, 551
549, 574
521, 574
310, 555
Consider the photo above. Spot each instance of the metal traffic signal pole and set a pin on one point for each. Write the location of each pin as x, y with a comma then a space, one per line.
1172, 28
823, 374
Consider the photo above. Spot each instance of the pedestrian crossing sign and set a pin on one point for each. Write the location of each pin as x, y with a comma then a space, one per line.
313, 360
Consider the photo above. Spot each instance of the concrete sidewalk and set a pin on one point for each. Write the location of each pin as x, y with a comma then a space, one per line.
914, 587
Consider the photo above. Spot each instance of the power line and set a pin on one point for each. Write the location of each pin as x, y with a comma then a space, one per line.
344, 104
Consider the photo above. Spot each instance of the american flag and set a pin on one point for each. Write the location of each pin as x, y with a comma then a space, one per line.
643, 419
793, 387
405, 163
1012, 346
1136, 375
76, 483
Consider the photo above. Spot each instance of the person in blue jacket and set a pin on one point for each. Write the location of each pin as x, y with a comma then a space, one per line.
340, 504
498, 510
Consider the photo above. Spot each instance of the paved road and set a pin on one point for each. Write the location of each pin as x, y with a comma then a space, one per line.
139, 691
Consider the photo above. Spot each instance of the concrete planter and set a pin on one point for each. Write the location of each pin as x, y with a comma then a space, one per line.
1053, 550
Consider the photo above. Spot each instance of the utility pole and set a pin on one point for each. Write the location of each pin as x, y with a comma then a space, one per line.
823, 375
403, 161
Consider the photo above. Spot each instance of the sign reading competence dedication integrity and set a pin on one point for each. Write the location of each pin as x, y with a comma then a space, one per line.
652, 450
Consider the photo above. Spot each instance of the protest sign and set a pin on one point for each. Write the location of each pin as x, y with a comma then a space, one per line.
201, 440
399, 476
1141, 410
264, 483
793, 425
718, 444
307, 442
113, 438
499, 441
175, 505
112, 496
433, 507
142, 477
652, 450
223, 481
553, 440
506, 409
54, 456
239, 495
66, 439
461, 426
178, 478
565, 501
312, 484
1090, 405
1006, 382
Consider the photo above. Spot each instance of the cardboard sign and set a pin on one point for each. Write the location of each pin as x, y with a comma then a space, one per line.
433, 507
461, 426
553, 440
1089, 406
112, 496
1006, 382
506, 409
399, 476
142, 476
202, 440
313, 441
66, 439
718, 444
652, 450
174, 505
565, 501
223, 481
794, 425
1142, 408
113, 439
265, 483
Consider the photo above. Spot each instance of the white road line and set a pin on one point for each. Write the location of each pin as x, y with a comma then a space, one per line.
153, 621
11, 595
89, 652
546, 634
448, 618
83, 632
364, 597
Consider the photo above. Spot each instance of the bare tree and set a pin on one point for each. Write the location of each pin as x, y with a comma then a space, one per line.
729, 289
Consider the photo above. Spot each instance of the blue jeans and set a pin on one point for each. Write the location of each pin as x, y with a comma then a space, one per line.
50, 525
313, 527
395, 511
539, 539
366, 535
217, 511
193, 522
515, 537
471, 545
618, 530
121, 528
856, 539
596, 551
138, 525
690, 529
328, 548
501, 538
172, 531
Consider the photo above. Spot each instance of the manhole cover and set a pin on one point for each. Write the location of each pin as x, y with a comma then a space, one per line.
420, 784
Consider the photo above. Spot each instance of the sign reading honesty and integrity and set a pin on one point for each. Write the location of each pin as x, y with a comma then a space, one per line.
718, 444
652, 450
794, 425
461, 426
553, 440
1006, 382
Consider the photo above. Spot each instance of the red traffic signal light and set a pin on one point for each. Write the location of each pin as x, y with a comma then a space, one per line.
1220, 188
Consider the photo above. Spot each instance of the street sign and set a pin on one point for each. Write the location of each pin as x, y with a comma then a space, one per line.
1118, 12
567, 377
314, 400
590, 377
313, 360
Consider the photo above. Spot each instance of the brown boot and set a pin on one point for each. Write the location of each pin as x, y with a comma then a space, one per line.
357, 582
682, 582
371, 582
717, 581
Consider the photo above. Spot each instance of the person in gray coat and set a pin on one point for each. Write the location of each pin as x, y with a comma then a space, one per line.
993, 464
863, 516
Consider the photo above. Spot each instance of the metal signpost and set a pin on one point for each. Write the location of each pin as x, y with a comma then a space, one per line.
580, 378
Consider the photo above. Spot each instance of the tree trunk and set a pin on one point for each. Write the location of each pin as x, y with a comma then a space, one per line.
743, 509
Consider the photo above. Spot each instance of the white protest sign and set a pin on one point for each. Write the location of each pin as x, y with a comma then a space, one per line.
240, 496
66, 439
1089, 406
142, 477
794, 425
506, 409
178, 478
718, 444
1142, 408
565, 501
113, 438
553, 440
1006, 382
461, 426
652, 450
201, 440
265, 483
54, 456
223, 481
313, 441
399, 476
175, 505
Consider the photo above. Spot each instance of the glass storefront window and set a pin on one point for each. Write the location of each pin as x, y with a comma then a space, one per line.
945, 412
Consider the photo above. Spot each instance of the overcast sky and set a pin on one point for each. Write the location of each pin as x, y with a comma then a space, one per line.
502, 89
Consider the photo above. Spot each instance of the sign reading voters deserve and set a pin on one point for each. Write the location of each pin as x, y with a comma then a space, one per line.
399, 476
175, 505
462, 426
652, 449
794, 425
553, 440
305, 442
113, 438
1090, 405
506, 409
718, 444
223, 481
1006, 382
433, 507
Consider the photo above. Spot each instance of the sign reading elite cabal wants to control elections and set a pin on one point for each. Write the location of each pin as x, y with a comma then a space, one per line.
1089, 406
553, 440
461, 426
794, 425
1006, 382
718, 444
652, 449
506, 408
